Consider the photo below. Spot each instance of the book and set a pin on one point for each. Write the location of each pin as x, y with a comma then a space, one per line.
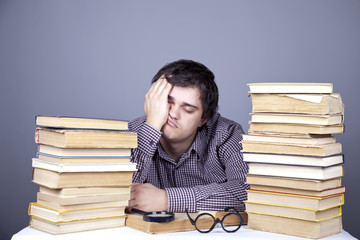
180, 224
294, 171
291, 212
59, 207
295, 227
76, 226
79, 159
297, 118
298, 103
92, 198
83, 198
84, 191
54, 215
301, 139
295, 149
76, 153
296, 128
80, 122
294, 183
304, 192
293, 159
74, 138
290, 87
295, 200
58, 180
84, 167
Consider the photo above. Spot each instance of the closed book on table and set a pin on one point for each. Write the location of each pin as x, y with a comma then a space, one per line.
41, 196
291, 212
289, 159
303, 192
76, 226
295, 171
58, 180
325, 119
296, 128
295, 200
59, 207
289, 138
76, 138
181, 222
298, 103
294, 183
84, 167
295, 227
54, 215
290, 87
83, 152
77, 159
80, 122
295, 149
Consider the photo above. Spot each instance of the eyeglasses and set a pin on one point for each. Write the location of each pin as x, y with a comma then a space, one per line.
205, 222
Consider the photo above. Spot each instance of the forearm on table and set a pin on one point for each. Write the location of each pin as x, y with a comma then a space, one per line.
215, 196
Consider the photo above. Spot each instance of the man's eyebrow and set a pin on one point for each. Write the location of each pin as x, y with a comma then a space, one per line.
184, 103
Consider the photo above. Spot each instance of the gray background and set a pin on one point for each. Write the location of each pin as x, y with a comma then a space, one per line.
96, 59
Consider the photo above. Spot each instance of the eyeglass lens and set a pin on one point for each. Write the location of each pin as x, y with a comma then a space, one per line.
231, 222
206, 222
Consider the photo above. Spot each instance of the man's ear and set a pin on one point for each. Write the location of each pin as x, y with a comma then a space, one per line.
203, 121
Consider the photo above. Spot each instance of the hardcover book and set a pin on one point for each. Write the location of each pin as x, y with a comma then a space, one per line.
322, 150
84, 167
294, 183
294, 171
298, 103
76, 226
296, 128
254, 157
290, 87
58, 180
80, 122
295, 200
295, 227
75, 138
291, 212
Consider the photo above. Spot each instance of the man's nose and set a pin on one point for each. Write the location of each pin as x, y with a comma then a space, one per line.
174, 111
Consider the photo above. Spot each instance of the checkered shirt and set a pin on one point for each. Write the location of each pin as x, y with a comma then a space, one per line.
211, 175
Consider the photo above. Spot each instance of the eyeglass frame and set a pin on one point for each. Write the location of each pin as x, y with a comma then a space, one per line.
217, 220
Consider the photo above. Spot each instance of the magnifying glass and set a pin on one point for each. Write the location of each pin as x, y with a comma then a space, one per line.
159, 216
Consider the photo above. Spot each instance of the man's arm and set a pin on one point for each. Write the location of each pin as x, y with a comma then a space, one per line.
214, 196
156, 105
147, 197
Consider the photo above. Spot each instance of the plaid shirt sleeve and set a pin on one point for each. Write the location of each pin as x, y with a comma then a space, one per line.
148, 139
215, 196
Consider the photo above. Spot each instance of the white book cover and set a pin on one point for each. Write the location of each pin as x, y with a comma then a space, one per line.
83, 167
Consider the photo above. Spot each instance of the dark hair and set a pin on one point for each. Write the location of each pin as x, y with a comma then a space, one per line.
188, 73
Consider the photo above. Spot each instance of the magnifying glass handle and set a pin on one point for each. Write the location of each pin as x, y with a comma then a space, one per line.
135, 210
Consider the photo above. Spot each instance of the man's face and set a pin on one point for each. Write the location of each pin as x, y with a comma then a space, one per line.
185, 115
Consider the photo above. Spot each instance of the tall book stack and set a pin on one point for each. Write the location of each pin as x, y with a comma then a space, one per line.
84, 172
295, 163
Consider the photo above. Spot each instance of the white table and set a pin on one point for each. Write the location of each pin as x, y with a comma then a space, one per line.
127, 233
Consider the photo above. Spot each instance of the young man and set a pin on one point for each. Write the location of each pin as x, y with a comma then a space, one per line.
188, 156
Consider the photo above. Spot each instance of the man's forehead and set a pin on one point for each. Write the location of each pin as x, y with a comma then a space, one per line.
189, 96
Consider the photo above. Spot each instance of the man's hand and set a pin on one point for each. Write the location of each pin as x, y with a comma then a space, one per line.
156, 105
147, 197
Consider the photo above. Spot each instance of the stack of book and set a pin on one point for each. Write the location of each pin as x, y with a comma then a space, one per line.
84, 171
295, 163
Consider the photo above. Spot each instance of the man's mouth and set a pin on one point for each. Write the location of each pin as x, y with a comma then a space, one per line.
172, 123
